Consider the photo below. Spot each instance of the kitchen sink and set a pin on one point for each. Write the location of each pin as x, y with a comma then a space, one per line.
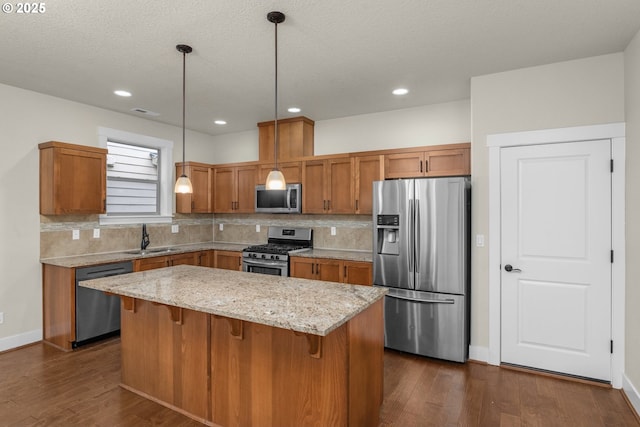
150, 251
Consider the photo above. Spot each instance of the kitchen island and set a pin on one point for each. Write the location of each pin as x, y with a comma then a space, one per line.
239, 349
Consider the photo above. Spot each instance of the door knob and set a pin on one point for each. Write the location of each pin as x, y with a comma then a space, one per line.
509, 268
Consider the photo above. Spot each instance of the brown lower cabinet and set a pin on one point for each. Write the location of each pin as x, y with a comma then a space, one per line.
332, 270
189, 258
228, 260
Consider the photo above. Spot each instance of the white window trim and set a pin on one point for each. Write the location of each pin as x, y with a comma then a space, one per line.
166, 186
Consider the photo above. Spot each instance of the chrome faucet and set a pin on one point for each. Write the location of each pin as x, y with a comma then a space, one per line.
145, 238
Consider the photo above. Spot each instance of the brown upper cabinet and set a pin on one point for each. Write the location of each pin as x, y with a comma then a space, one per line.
292, 172
73, 179
436, 162
328, 186
201, 200
367, 170
295, 139
234, 189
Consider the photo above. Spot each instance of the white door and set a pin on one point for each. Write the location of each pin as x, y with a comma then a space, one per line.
556, 242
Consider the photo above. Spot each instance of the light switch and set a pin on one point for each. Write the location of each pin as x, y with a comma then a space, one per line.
480, 240
175, 228
333, 231
75, 234
257, 228
220, 226
96, 233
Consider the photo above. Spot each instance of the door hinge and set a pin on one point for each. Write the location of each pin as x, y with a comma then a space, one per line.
611, 165
611, 346
611, 256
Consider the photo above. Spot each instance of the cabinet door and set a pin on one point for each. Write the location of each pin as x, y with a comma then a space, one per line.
447, 162
145, 264
76, 179
245, 191
313, 184
303, 268
340, 186
205, 258
367, 170
329, 270
358, 273
404, 165
200, 201
292, 172
228, 260
189, 258
223, 192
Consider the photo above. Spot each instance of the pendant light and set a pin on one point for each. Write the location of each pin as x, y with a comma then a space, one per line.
183, 184
275, 179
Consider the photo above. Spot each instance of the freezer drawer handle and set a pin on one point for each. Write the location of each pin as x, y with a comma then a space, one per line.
434, 301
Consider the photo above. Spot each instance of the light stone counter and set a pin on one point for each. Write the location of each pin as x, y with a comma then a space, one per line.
301, 305
364, 256
109, 257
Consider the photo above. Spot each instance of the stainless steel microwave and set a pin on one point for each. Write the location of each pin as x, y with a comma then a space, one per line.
288, 200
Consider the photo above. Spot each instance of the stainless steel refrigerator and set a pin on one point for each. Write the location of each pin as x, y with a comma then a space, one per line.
421, 247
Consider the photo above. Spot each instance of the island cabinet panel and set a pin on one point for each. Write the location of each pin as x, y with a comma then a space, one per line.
164, 359
267, 376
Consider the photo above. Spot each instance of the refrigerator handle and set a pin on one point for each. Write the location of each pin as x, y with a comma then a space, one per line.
412, 238
416, 245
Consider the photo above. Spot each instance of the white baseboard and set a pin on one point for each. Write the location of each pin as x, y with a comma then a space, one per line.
13, 341
631, 392
479, 354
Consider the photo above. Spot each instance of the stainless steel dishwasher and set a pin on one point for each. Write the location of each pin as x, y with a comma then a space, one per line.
97, 314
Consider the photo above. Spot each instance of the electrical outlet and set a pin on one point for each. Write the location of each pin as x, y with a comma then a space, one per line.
333, 231
96, 233
220, 227
480, 240
257, 228
75, 234
175, 228
1, 318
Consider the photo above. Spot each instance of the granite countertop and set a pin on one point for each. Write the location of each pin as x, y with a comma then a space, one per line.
301, 305
346, 255
109, 257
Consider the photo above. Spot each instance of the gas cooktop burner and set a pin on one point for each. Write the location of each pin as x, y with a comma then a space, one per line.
274, 248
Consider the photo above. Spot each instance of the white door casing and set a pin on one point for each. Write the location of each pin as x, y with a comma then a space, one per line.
556, 257
615, 132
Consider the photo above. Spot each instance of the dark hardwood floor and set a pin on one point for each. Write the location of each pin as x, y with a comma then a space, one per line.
41, 386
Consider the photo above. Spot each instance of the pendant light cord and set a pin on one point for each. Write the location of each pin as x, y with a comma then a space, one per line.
275, 136
184, 89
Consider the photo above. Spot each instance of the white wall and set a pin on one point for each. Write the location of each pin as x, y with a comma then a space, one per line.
632, 113
574, 93
27, 119
446, 123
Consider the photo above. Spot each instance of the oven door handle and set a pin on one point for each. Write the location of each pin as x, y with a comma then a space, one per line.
263, 264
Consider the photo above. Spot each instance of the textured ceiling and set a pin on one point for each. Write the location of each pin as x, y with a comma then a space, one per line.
336, 58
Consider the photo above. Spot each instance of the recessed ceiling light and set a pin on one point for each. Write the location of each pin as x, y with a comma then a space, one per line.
294, 110
220, 122
400, 91
122, 93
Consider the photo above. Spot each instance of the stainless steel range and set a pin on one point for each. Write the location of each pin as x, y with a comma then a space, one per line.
273, 257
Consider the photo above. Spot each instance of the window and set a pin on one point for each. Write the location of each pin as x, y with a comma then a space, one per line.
139, 178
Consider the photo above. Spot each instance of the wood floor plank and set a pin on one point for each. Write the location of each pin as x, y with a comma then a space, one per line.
42, 386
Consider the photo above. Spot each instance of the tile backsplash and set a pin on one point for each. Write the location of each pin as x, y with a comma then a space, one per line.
353, 232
